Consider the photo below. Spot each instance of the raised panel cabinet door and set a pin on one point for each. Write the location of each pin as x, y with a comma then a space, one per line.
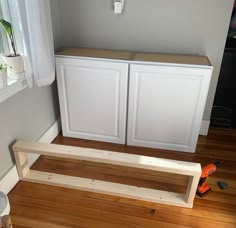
93, 99
166, 105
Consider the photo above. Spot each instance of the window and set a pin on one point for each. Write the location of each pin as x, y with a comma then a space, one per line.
8, 11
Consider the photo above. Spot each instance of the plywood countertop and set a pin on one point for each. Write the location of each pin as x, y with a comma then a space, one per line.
136, 56
97, 53
172, 58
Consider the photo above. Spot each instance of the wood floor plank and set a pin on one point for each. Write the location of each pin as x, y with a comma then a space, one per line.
35, 205
27, 222
85, 217
117, 174
81, 206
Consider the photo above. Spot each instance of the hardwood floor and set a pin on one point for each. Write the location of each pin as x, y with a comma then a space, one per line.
35, 205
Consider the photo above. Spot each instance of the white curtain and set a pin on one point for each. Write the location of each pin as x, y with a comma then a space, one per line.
36, 25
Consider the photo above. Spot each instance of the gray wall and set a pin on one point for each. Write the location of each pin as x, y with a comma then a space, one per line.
183, 26
56, 26
26, 115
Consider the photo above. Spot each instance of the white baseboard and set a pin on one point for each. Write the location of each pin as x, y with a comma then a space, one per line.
204, 127
11, 178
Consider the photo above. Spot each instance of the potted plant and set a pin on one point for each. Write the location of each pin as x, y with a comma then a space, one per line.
3, 75
14, 60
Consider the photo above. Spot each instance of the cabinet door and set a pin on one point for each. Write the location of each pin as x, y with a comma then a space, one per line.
93, 99
166, 105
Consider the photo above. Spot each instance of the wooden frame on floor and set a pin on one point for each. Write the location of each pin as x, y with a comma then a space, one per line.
6, 222
193, 170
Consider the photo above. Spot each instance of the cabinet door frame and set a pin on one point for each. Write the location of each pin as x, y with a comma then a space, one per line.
121, 74
203, 74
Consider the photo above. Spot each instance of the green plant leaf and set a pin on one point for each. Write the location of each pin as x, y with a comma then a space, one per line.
7, 27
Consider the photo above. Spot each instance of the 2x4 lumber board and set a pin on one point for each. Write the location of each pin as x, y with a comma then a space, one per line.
108, 157
191, 189
172, 58
22, 163
121, 190
96, 53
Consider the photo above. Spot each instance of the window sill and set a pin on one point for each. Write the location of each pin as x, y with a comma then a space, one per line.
13, 87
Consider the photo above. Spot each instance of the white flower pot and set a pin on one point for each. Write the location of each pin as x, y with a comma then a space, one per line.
4, 205
15, 65
3, 79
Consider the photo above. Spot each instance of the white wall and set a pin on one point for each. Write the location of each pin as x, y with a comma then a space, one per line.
196, 27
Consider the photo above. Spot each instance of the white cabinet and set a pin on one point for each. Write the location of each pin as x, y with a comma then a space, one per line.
167, 95
93, 98
166, 104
